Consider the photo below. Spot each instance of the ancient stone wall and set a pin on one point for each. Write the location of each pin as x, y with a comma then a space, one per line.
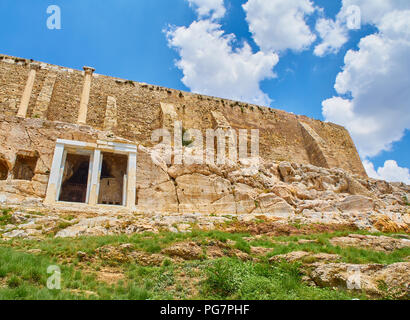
133, 110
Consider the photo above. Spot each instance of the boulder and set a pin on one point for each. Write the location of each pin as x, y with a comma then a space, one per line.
376, 243
374, 279
184, 250
305, 257
356, 203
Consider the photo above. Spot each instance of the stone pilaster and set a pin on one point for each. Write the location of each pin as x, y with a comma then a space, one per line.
55, 175
44, 97
132, 180
85, 96
95, 178
22, 111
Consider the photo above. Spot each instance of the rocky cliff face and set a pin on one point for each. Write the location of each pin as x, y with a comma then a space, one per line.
206, 194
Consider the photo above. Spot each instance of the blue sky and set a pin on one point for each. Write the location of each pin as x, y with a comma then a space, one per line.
128, 39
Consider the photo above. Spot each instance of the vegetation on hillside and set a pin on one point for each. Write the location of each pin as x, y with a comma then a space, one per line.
87, 275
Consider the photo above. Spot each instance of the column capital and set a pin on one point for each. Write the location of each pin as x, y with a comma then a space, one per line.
88, 70
34, 66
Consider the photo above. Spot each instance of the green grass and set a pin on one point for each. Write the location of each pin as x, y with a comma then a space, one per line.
348, 255
24, 275
230, 278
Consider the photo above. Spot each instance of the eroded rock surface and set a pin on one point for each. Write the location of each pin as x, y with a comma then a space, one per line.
377, 243
305, 257
203, 195
375, 279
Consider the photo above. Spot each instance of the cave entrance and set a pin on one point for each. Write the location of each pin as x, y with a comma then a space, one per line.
24, 167
4, 170
75, 178
113, 179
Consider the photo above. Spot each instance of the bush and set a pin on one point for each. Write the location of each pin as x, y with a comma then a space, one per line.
225, 276
230, 278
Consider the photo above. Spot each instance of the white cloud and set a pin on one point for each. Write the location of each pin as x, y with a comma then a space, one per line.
377, 78
374, 85
212, 66
209, 8
389, 172
277, 25
334, 35
374, 10
370, 170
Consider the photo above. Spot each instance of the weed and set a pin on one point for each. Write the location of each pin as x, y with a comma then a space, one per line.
5, 217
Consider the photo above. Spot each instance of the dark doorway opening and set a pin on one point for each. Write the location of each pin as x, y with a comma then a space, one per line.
24, 167
75, 178
4, 170
113, 170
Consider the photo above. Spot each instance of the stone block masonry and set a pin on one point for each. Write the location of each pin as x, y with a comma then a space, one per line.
110, 121
132, 110
44, 98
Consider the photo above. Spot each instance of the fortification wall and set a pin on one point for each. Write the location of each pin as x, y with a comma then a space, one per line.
132, 110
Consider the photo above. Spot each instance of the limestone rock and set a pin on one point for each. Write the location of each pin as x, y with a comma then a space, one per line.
271, 204
375, 279
99, 226
377, 243
199, 193
356, 203
245, 198
162, 197
147, 259
184, 250
386, 224
305, 257
260, 251
125, 253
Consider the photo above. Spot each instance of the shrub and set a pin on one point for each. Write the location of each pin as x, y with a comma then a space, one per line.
225, 276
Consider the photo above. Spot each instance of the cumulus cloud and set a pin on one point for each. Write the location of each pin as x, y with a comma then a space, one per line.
374, 83
212, 66
334, 35
391, 172
278, 25
374, 99
373, 11
209, 8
